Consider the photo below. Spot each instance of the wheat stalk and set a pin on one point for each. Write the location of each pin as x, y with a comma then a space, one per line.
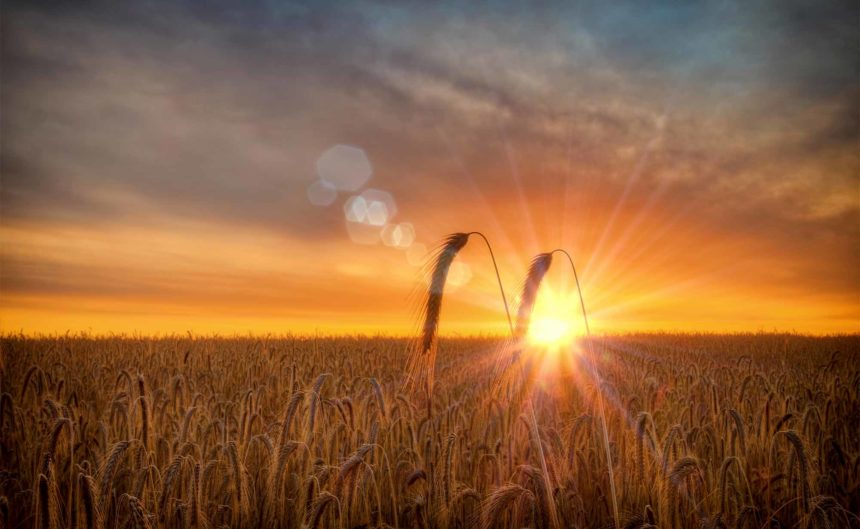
72, 454
601, 406
47, 516
499, 501
802, 462
422, 359
318, 509
536, 272
88, 495
108, 472
139, 516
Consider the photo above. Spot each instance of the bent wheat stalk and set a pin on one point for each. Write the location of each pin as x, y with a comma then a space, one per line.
422, 358
537, 270
596, 375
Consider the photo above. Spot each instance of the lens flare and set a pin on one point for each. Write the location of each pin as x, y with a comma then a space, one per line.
555, 320
550, 331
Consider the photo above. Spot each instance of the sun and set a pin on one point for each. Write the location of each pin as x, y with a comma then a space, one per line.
550, 331
555, 320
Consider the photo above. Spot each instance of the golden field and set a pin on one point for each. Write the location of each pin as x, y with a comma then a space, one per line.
704, 430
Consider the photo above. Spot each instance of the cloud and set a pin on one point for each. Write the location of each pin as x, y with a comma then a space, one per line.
631, 123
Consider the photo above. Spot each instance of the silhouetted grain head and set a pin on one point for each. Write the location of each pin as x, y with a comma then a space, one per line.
89, 501
107, 473
511, 353
315, 403
46, 505
380, 398
349, 467
537, 270
684, 468
423, 355
239, 483
638, 521
642, 421
139, 518
801, 460
318, 509
500, 500
739, 429
287, 420
170, 476
196, 516
415, 476
433, 304
53, 439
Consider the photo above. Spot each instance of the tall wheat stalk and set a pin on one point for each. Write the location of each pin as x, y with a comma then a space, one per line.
536, 272
422, 359
600, 404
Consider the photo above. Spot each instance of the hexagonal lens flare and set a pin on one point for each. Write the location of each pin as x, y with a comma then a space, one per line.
344, 167
321, 193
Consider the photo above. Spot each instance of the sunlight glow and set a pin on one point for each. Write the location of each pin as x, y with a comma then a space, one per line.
555, 321
550, 331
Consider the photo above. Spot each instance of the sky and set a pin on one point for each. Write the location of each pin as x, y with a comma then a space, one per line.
280, 167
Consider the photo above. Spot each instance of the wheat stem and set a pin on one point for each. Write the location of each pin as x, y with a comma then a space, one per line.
498, 278
600, 403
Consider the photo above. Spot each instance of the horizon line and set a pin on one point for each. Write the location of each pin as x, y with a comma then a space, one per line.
188, 335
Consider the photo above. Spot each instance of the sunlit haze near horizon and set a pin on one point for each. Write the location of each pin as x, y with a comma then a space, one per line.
274, 167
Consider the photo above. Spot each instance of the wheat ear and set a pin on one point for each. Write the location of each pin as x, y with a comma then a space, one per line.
423, 356
537, 270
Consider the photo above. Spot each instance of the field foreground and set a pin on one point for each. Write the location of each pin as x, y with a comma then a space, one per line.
715, 431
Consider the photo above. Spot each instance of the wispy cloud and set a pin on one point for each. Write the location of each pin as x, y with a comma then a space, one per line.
666, 144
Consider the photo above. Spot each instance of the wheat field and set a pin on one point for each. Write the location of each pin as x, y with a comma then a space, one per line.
742, 431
